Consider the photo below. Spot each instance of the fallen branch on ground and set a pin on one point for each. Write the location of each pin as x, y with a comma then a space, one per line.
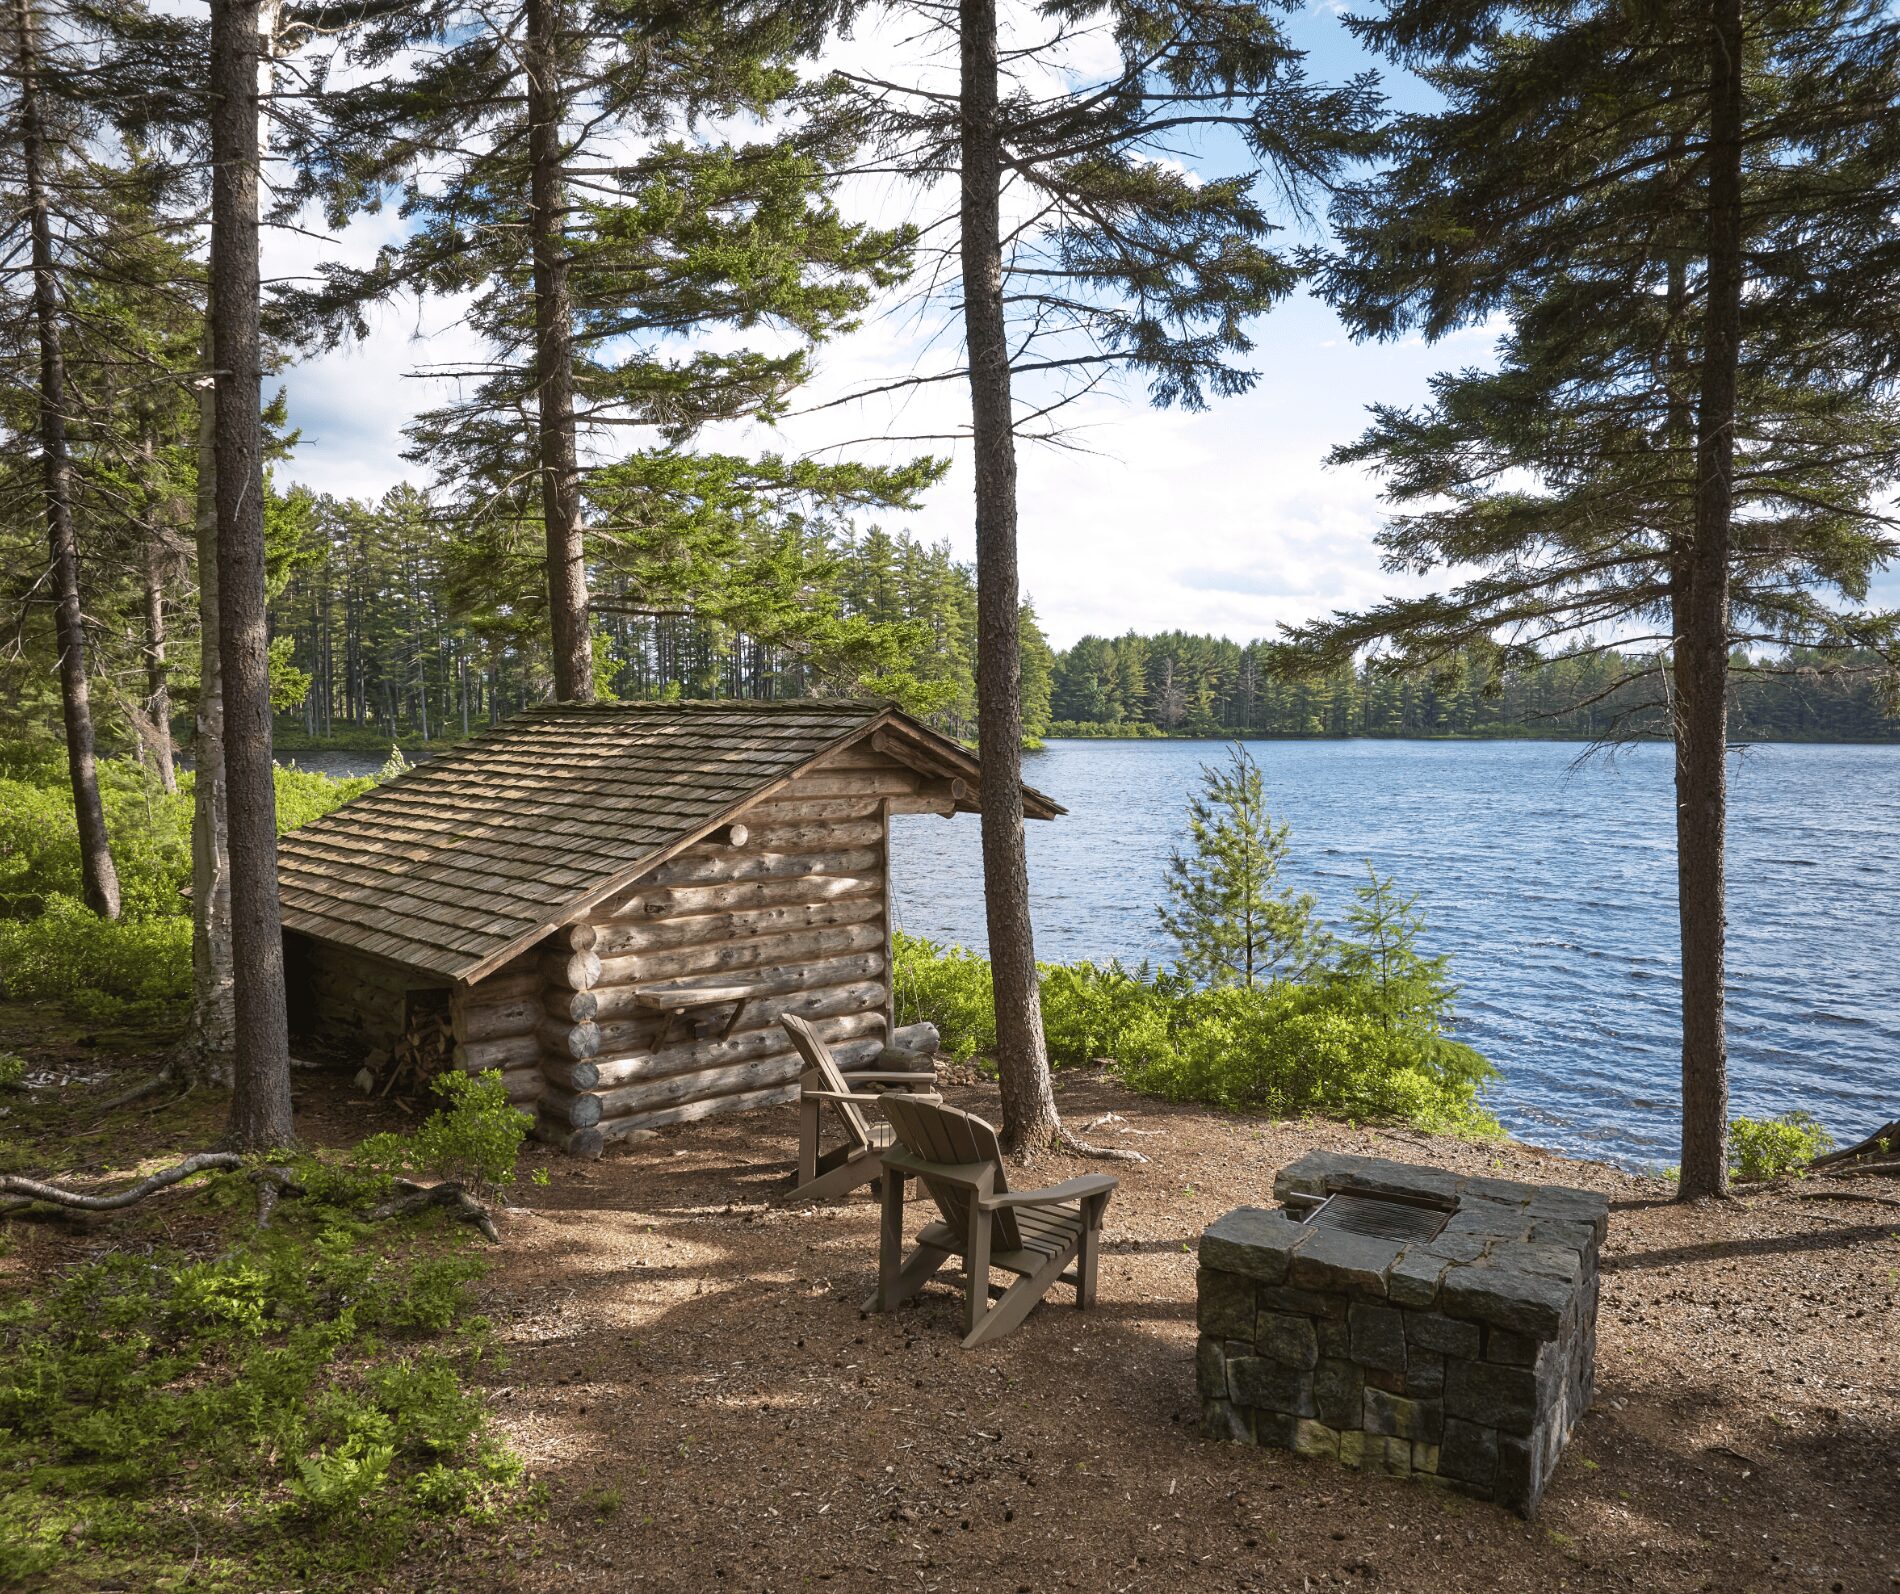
1846, 1195
32, 1190
1882, 1140
1888, 1169
419, 1197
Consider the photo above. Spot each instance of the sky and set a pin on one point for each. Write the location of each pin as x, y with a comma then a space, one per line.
1226, 521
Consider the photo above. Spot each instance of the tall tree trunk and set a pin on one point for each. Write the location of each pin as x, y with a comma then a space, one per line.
158, 696
99, 877
260, 1101
1702, 645
1030, 1123
209, 1051
554, 362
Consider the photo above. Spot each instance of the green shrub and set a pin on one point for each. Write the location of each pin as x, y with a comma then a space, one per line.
948, 987
138, 968
1343, 1045
1766, 1148
12, 1071
1291, 1049
473, 1140
106, 970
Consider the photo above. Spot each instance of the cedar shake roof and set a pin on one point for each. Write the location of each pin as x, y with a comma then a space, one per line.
470, 858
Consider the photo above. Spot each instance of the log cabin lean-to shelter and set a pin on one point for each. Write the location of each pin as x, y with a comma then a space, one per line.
612, 904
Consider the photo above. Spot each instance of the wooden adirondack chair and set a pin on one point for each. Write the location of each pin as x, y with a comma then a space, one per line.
823, 1176
1035, 1234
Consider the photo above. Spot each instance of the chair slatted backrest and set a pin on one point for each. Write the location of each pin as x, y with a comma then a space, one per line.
817, 1055
932, 1132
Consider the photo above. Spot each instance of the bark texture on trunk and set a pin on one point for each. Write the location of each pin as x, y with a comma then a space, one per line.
99, 877
260, 1101
569, 633
209, 1052
1029, 1123
158, 696
1702, 644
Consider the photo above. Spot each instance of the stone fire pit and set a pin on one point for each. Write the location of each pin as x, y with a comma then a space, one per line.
1404, 1320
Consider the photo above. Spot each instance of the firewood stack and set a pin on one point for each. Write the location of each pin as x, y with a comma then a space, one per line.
424, 1049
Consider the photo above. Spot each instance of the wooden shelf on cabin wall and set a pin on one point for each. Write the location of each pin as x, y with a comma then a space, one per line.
675, 1000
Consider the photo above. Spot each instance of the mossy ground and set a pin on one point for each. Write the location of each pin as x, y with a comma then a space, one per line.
189, 1403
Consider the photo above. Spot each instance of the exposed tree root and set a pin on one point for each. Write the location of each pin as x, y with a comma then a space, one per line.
272, 1183
33, 1190
168, 1074
1070, 1142
1887, 1169
419, 1197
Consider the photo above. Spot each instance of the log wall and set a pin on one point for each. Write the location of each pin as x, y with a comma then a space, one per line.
497, 1024
799, 911
345, 1004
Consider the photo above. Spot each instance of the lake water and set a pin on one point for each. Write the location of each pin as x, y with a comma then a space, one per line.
1551, 884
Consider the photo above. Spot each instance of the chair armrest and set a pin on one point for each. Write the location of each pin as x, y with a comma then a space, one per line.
837, 1095
878, 1078
971, 1174
1090, 1184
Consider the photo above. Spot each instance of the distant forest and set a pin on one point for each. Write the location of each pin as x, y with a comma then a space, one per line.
391, 623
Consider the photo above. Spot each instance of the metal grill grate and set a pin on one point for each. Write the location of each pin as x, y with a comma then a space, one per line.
1380, 1218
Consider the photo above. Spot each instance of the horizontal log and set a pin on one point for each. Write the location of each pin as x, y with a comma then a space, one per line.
728, 836
942, 807
577, 971
721, 866
819, 835
751, 952
574, 937
694, 1111
575, 1109
790, 809
922, 1040
506, 1051
700, 929
820, 784
619, 1002
581, 1075
570, 1007
636, 1037
523, 1084
569, 1040
647, 903
855, 1038
504, 986
585, 1143
478, 1021
779, 1068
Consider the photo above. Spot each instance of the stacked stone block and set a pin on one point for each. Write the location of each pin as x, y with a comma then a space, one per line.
1462, 1360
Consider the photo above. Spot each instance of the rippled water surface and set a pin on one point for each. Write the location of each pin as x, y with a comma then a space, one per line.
1551, 885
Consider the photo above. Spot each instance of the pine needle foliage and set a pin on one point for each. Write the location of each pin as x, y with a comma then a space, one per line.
1232, 920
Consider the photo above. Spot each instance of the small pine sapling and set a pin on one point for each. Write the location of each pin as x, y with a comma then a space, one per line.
1233, 922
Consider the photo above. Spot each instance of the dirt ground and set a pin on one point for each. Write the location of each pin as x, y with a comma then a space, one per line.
692, 1378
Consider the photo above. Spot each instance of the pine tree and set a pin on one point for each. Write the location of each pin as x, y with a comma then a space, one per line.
541, 156
1232, 921
1130, 264
260, 1115
48, 170
1682, 214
